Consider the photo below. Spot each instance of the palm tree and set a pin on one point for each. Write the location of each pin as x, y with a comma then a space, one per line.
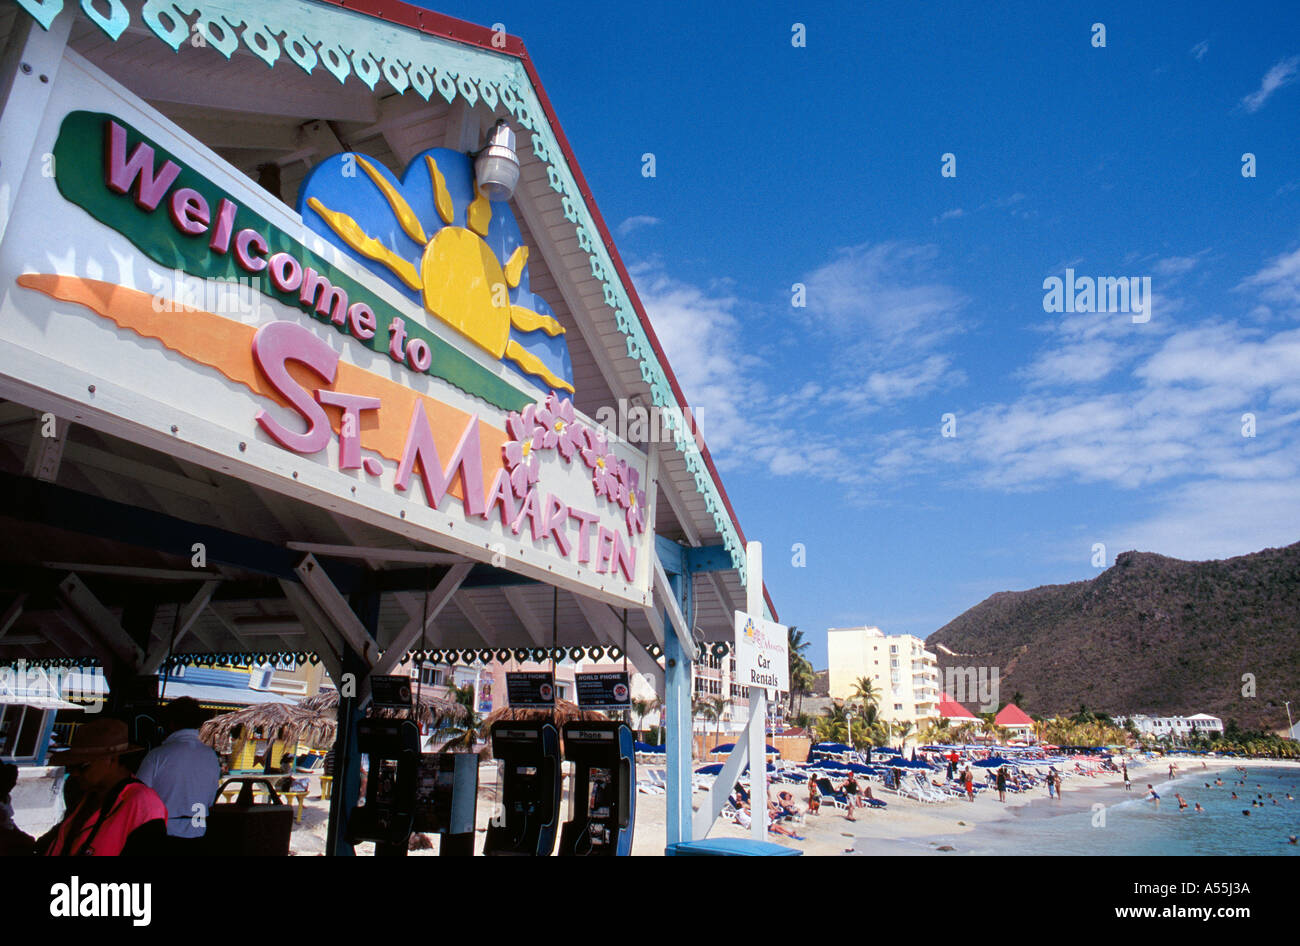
797, 664
465, 697
718, 706
903, 730
865, 693
640, 709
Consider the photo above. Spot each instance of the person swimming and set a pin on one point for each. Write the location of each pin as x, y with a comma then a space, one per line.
1198, 807
1182, 802
1153, 795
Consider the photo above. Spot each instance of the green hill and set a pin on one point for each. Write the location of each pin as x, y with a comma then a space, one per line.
1149, 635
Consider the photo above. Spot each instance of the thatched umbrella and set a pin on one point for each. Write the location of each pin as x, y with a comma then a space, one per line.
564, 712
433, 710
282, 721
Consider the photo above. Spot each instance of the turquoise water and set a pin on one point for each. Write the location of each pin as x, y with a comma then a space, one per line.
1136, 827
1132, 826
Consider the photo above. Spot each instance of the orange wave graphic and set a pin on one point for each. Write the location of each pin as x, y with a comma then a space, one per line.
227, 346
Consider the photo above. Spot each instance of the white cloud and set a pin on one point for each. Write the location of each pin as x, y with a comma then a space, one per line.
1176, 265
707, 347
1279, 280
1078, 362
633, 223
1218, 519
884, 292
1199, 50
1283, 73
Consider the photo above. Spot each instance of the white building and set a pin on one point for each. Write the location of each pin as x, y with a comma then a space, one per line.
1174, 727
905, 674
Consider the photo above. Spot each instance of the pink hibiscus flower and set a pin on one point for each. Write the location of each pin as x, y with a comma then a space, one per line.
628, 480
594, 448
559, 423
520, 452
605, 476
636, 512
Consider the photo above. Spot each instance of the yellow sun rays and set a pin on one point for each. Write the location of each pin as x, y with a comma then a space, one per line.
475, 321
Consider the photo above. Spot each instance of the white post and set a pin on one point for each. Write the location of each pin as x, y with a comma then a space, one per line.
757, 703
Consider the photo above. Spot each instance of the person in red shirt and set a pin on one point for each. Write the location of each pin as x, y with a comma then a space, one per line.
117, 813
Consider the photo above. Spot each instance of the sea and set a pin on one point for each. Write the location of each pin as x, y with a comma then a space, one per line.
1132, 826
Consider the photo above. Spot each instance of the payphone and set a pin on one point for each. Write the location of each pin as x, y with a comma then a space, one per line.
446, 800
388, 815
528, 806
603, 792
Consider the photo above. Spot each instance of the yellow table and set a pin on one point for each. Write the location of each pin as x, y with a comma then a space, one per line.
299, 797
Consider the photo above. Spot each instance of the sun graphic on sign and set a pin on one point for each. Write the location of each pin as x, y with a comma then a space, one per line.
458, 275
750, 629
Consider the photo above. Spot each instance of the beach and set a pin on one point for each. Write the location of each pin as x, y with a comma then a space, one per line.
905, 828
1028, 822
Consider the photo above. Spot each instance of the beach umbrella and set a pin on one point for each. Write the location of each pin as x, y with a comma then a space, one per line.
432, 710
725, 747
830, 764
831, 747
290, 722
563, 712
646, 747
713, 769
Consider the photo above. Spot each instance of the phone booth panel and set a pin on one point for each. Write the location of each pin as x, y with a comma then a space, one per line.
603, 798
528, 808
387, 817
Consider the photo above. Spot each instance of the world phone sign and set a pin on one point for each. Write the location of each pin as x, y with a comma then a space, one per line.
762, 653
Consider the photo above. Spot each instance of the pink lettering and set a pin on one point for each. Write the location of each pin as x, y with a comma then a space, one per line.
466, 461
557, 514
503, 494
246, 241
220, 241
418, 355
275, 344
604, 549
362, 319
286, 272
327, 298
532, 511
350, 427
396, 338
585, 521
624, 556
139, 170
189, 211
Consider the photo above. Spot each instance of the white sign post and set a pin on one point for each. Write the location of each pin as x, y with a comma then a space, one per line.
762, 664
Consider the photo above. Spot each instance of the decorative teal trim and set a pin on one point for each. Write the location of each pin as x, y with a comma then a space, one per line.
348, 43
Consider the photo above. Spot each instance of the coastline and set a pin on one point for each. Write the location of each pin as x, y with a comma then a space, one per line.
1005, 824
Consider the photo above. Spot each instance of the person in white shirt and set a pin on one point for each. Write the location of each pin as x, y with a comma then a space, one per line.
183, 771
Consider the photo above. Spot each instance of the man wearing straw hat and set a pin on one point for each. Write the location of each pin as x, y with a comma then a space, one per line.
117, 813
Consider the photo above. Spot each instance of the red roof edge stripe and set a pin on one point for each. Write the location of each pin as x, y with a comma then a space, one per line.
448, 27
435, 24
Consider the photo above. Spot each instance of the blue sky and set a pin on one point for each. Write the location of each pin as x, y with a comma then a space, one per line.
820, 165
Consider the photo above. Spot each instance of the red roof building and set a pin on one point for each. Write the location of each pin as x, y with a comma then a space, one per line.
953, 711
1014, 718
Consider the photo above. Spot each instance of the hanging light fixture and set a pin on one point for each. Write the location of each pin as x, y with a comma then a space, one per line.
496, 166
